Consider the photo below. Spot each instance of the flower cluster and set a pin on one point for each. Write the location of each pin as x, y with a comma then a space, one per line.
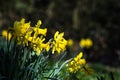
34, 37
76, 64
30, 36
85, 43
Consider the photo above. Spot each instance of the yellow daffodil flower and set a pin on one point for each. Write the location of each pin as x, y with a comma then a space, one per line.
37, 45
89, 43
6, 35
76, 64
70, 42
82, 43
59, 43
38, 30
20, 28
85, 43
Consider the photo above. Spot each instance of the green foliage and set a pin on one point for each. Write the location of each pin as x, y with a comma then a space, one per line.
21, 63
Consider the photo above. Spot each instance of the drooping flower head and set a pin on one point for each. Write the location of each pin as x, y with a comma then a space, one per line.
39, 30
20, 27
59, 43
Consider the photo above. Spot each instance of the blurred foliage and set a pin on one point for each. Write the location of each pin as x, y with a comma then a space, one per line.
96, 19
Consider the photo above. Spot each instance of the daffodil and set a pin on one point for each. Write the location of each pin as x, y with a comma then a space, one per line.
7, 35
70, 42
82, 43
59, 43
89, 43
20, 27
39, 30
37, 45
85, 43
76, 64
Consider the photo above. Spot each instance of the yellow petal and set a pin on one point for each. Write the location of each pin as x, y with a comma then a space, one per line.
56, 34
80, 55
